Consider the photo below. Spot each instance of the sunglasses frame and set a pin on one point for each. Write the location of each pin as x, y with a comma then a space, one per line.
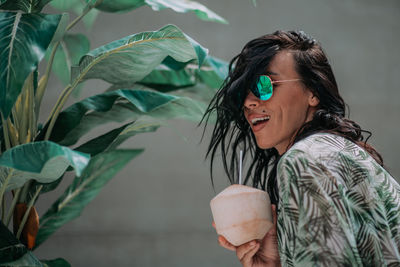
265, 87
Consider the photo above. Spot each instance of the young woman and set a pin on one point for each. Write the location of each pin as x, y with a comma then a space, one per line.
334, 203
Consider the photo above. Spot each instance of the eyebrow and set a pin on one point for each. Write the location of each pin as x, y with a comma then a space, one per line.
272, 73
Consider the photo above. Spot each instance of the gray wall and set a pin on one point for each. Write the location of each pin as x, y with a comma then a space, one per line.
156, 211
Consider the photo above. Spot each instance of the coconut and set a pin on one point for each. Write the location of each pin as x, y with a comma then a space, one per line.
242, 213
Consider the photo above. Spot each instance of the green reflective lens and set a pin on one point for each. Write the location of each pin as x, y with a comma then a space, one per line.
264, 88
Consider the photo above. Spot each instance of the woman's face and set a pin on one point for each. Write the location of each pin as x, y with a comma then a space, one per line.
290, 106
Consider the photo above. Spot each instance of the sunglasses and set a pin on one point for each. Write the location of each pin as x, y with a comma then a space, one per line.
264, 88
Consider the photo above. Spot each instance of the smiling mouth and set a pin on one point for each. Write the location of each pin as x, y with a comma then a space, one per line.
260, 120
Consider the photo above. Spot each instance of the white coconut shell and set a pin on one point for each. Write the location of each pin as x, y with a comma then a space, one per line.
242, 213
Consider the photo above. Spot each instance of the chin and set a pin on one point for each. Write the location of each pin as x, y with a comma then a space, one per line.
264, 145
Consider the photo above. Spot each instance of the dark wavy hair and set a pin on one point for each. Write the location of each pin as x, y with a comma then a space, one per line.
232, 132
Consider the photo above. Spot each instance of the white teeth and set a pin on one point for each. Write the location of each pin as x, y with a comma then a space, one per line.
255, 120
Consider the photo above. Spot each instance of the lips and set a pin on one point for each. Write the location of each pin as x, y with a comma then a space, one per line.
258, 122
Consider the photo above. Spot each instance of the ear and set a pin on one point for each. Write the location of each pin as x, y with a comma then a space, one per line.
313, 100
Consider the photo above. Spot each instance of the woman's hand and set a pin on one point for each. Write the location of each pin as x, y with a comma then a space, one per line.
257, 253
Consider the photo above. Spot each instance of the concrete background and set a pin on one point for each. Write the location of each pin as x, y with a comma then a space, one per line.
156, 211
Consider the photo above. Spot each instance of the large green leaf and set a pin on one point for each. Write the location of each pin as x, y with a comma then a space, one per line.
43, 161
63, 5
24, 39
28, 6
119, 5
181, 107
100, 170
28, 260
119, 106
46, 187
212, 73
201, 92
114, 138
10, 247
210, 78
105, 142
177, 5
219, 67
72, 47
185, 6
131, 58
164, 79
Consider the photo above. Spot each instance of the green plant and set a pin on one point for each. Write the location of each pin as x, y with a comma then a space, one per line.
153, 76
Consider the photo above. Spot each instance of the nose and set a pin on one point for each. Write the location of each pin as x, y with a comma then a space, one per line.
251, 101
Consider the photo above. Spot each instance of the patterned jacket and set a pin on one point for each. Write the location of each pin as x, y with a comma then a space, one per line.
337, 207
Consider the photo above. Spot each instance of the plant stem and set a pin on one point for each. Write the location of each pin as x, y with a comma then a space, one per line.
86, 10
4, 186
45, 79
12, 133
57, 108
25, 108
24, 192
76, 20
21, 226
31, 129
15, 116
5, 133
11, 209
3, 208
67, 90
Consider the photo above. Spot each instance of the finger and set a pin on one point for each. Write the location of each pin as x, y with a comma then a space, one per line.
248, 260
225, 243
243, 250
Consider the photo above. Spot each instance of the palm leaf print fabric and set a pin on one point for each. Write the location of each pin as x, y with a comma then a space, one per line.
337, 207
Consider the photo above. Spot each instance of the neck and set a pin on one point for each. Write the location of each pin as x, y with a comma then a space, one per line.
282, 148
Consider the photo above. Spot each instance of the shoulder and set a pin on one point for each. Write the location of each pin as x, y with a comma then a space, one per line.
322, 146
324, 155
330, 159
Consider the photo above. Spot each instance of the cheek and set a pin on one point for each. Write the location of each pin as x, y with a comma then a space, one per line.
293, 114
